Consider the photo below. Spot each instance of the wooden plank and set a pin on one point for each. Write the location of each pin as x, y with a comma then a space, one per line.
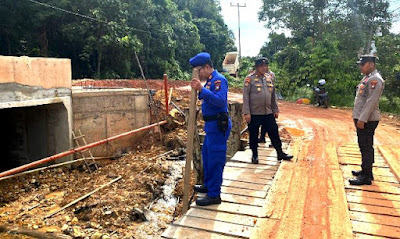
223, 217
273, 166
178, 232
373, 201
365, 236
256, 172
366, 194
261, 160
244, 192
375, 218
376, 171
232, 208
331, 156
278, 194
265, 228
294, 210
374, 209
314, 231
379, 164
225, 228
242, 199
378, 178
376, 187
247, 177
376, 230
315, 209
245, 185
339, 218
191, 126
391, 153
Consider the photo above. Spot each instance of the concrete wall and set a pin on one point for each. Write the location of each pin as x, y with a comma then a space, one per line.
36, 71
32, 133
100, 114
35, 99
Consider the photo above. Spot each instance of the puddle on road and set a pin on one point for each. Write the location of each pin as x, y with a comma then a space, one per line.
295, 132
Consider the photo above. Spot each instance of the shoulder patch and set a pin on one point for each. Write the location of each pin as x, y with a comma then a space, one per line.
374, 83
217, 84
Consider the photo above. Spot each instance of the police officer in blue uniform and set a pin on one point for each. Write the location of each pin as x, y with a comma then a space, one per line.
214, 94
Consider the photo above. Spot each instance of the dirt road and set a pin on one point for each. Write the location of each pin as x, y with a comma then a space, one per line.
317, 194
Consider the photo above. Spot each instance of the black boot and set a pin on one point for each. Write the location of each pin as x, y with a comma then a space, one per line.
361, 180
254, 157
200, 189
208, 201
357, 173
283, 156
261, 140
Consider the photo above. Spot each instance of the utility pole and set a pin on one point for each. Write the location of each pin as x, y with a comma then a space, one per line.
238, 7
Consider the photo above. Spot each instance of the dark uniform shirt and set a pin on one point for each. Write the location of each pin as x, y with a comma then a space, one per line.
215, 99
366, 102
259, 94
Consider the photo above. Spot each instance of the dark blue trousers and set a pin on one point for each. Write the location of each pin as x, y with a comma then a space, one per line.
214, 158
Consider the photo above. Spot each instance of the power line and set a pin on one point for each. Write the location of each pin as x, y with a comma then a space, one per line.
83, 16
66, 11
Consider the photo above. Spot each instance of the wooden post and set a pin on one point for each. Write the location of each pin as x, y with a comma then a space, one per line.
197, 163
166, 93
189, 144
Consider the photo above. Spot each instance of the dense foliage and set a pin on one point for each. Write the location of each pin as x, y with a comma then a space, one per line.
102, 40
326, 39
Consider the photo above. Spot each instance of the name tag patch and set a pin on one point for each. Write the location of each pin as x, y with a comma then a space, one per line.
373, 84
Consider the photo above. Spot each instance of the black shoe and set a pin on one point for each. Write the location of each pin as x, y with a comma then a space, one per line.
200, 189
261, 140
208, 201
360, 180
284, 156
254, 159
357, 173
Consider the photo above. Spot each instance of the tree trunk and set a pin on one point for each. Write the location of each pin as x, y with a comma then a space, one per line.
99, 56
44, 42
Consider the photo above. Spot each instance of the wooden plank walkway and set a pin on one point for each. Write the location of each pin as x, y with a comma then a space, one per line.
374, 209
244, 195
309, 197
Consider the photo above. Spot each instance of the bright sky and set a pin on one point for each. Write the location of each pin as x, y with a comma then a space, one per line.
253, 33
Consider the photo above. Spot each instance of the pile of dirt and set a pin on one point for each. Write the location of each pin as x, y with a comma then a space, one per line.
114, 211
135, 83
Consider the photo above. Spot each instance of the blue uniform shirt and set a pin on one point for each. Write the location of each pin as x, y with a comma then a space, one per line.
215, 99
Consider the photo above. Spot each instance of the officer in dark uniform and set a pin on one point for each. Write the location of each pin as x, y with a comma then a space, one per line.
260, 108
366, 115
214, 94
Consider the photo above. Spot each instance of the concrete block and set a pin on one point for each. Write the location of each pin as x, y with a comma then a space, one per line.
34, 71
6, 69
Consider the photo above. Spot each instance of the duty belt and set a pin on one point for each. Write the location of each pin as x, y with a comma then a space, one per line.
210, 117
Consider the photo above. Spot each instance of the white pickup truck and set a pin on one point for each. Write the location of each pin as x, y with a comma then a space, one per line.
231, 63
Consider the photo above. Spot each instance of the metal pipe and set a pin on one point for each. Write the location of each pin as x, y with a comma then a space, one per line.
166, 93
72, 151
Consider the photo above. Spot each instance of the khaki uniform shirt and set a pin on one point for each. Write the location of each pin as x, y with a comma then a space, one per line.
259, 94
366, 103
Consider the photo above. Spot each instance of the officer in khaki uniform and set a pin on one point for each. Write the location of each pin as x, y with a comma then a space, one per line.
366, 116
260, 108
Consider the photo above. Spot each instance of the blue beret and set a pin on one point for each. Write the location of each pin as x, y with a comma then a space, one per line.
200, 59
